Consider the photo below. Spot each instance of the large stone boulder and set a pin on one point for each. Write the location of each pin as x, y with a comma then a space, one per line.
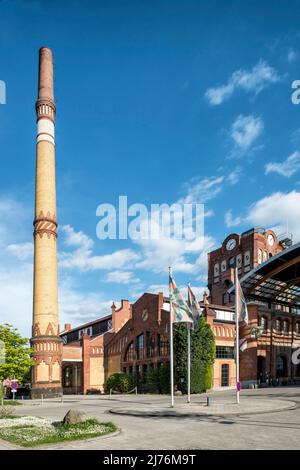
75, 417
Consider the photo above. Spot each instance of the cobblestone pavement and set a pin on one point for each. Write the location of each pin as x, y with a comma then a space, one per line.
269, 419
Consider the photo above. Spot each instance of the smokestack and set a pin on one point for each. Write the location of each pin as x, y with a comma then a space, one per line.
46, 342
45, 90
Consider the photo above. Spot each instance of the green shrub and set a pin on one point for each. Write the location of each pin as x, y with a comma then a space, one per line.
120, 382
202, 356
164, 378
152, 380
208, 377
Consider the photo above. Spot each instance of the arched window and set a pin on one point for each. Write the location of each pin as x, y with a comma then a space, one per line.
150, 344
68, 372
264, 323
163, 345
286, 326
278, 325
140, 347
129, 355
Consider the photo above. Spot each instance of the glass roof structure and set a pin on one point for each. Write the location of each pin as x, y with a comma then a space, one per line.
277, 280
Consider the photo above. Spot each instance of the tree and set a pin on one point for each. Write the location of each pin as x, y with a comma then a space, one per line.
17, 361
203, 350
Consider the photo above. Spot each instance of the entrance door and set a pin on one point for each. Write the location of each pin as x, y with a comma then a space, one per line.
261, 369
281, 366
225, 375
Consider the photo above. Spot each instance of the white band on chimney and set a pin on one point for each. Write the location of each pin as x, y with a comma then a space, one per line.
45, 130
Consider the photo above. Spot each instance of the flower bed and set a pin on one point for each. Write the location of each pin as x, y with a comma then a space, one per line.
29, 431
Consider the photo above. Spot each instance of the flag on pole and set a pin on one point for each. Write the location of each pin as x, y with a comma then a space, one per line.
181, 311
193, 305
242, 310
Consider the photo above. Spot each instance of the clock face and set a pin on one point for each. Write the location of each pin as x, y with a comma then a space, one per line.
230, 244
270, 239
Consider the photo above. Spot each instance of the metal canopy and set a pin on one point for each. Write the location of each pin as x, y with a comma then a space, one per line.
277, 280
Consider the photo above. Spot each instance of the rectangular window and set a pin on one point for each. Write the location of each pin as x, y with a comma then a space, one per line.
225, 375
224, 298
225, 352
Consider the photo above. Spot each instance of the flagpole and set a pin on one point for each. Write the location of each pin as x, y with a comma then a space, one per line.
237, 351
171, 344
189, 364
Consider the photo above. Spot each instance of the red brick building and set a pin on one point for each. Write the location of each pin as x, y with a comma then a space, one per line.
135, 337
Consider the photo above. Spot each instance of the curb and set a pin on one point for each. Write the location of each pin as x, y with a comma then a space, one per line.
175, 414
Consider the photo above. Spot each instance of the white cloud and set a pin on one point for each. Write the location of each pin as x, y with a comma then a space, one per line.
83, 259
231, 221
209, 213
22, 251
245, 130
122, 277
182, 255
234, 176
255, 80
77, 306
286, 168
203, 190
198, 291
277, 211
79, 239
292, 56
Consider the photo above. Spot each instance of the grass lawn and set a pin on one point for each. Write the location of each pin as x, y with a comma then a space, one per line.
10, 403
32, 431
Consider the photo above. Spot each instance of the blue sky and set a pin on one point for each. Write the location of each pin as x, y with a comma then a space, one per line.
157, 100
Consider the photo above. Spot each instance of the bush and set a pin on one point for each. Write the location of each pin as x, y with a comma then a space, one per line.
164, 378
120, 382
152, 380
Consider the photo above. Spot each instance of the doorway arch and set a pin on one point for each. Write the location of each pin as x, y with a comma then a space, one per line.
261, 369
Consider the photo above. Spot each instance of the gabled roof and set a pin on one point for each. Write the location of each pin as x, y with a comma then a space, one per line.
276, 280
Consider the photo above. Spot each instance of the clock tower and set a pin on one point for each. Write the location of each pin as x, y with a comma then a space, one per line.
245, 251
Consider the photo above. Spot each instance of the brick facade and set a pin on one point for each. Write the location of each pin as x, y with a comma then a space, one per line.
135, 337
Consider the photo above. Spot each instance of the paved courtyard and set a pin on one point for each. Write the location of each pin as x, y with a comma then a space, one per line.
265, 419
